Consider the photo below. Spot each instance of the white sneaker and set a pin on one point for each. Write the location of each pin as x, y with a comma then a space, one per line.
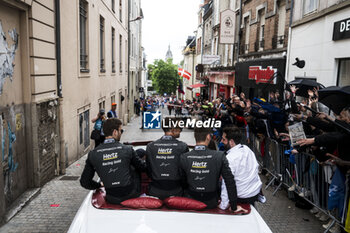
324, 217
325, 226
291, 188
314, 210
335, 229
261, 198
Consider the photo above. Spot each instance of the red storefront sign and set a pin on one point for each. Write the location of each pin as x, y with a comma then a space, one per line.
223, 78
261, 75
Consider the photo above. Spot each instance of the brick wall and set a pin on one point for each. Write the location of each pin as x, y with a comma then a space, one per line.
271, 24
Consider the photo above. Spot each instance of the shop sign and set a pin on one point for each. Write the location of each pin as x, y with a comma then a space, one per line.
221, 79
341, 29
227, 27
210, 59
261, 75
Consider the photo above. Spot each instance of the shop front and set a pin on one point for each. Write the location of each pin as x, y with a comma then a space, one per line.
256, 78
221, 84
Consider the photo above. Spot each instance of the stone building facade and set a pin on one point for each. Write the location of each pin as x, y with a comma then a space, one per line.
94, 48
60, 62
29, 128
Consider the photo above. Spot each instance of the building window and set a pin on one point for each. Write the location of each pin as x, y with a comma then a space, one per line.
81, 122
310, 6
344, 72
262, 32
120, 10
126, 55
112, 99
113, 50
247, 34
134, 49
84, 128
199, 45
102, 53
281, 26
102, 104
120, 53
113, 6
83, 10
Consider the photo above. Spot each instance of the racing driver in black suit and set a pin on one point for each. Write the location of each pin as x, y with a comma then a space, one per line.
112, 162
201, 170
163, 156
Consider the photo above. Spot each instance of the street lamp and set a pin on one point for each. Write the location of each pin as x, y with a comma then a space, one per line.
137, 18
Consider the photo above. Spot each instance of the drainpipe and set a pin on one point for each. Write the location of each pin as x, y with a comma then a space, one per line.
239, 29
58, 48
61, 158
128, 97
202, 51
289, 39
193, 77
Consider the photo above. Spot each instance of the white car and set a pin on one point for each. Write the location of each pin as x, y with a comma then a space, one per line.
92, 219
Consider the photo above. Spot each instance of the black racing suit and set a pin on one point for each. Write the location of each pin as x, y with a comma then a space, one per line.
201, 170
112, 162
162, 159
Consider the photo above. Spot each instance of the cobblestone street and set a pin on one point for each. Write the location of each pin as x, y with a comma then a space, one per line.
53, 209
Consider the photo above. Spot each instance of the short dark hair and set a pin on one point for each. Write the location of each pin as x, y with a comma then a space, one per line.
200, 134
166, 122
233, 133
110, 125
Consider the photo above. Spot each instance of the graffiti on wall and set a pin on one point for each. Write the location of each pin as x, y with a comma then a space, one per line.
7, 55
8, 137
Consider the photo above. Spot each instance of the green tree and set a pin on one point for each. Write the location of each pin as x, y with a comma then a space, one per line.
164, 76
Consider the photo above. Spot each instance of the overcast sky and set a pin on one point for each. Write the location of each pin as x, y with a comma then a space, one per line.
167, 22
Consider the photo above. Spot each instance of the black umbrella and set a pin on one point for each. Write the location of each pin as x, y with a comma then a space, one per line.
304, 85
336, 98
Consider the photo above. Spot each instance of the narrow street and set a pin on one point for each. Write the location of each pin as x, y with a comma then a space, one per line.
54, 208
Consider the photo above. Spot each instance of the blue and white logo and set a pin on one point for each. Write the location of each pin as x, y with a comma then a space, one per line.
152, 120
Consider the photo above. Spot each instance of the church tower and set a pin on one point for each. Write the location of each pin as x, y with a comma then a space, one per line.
169, 54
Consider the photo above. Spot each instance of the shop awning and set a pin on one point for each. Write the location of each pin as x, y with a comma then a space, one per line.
197, 85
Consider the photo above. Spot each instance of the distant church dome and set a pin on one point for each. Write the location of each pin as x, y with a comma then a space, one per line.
169, 54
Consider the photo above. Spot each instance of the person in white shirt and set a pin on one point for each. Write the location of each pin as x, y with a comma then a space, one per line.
244, 168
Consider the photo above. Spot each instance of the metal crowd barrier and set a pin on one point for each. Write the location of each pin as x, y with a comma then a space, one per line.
303, 174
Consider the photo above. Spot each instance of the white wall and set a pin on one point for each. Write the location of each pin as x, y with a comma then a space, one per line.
313, 43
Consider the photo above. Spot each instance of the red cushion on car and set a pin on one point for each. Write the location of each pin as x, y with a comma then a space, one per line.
184, 203
143, 202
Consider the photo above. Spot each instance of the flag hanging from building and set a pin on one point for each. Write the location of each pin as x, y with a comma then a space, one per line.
180, 87
184, 73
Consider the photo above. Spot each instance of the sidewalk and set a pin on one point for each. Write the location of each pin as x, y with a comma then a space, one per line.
281, 215
65, 196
